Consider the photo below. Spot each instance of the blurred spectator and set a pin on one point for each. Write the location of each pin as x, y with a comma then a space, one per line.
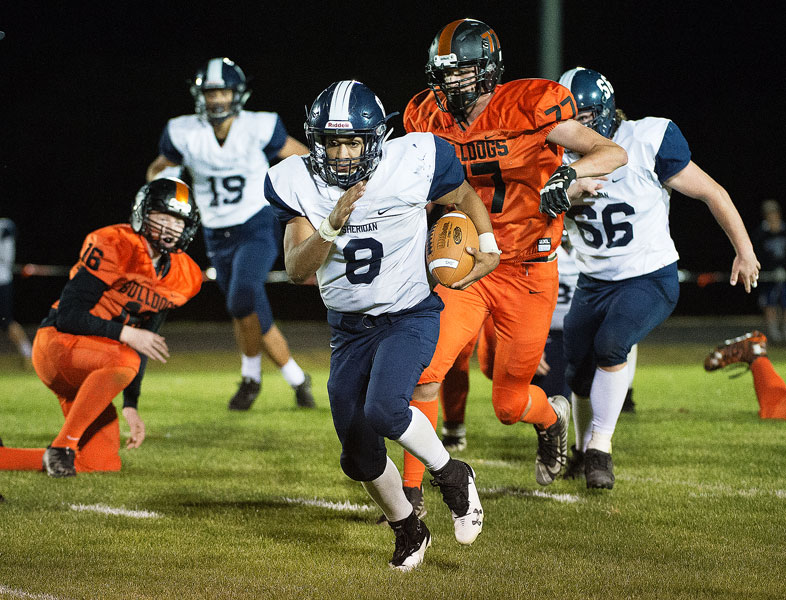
769, 241
7, 323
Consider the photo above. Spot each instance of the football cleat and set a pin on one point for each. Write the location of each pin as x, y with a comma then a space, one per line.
412, 540
598, 469
59, 462
245, 395
456, 481
454, 437
415, 497
553, 443
303, 396
575, 466
743, 349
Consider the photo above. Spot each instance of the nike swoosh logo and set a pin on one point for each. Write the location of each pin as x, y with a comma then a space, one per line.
384, 210
540, 292
616, 180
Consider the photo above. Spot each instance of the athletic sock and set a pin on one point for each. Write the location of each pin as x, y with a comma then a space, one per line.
251, 367
292, 373
607, 395
421, 441
95, 394
540, 411
387, 492
413, 468
21, 459
770, 389
582, 419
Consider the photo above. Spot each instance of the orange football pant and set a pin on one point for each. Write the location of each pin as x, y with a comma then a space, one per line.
520, 299
770, 389
86, 373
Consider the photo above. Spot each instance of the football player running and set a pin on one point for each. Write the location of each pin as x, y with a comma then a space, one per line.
627, 260
510, 139
355, 214
226, 152
98, 336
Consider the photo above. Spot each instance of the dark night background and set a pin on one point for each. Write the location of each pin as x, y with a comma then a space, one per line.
86, 91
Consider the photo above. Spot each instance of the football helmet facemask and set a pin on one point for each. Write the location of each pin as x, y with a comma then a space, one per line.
592, 91
460, 44
170, 196
346, 109
219, 74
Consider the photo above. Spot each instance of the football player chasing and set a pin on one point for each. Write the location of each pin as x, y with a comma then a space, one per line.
510, 139
355, 215
87, 350
226, 152
627, 260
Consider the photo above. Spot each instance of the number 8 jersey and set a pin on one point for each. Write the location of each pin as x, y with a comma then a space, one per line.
623, 232
378, 262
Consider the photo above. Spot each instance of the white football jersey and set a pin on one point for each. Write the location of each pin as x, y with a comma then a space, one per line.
378, 262
228, 179
568, 277
623, 232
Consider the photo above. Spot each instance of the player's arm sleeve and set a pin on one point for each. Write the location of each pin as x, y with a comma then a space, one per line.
277, 140
167, 148
79, 296
555, 105
673, 155
284, 213
134, 389
448, 173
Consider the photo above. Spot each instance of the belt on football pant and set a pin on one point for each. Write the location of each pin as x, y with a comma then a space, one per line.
549, 258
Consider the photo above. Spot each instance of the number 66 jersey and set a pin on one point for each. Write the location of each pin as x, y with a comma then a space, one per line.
623, 232
378, 262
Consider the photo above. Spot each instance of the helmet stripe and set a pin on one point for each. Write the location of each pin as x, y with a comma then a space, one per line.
181, 192
215, 72
446, 37
339, 103
567, 77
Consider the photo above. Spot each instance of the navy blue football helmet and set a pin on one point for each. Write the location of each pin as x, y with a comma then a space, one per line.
219, 74
594, 92
165, 195
464, 43
346, 109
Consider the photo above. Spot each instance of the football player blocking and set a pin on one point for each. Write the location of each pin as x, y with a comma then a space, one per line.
226, 151
355, 215
97, 337
509, 138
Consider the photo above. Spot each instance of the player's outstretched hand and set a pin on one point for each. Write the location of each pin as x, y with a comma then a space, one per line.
554, 195
346, 204
145, 342
745, 269
584, 189
136, 425
485, 263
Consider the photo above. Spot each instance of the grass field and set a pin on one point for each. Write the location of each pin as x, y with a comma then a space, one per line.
255, 505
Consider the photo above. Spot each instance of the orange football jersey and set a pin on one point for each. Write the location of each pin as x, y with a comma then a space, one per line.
118, 257
506, 158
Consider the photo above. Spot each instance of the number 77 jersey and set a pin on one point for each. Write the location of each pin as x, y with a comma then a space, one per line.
507, 159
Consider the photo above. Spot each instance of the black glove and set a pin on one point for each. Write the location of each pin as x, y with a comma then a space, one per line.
554, 195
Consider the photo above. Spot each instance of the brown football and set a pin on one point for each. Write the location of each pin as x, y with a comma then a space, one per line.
446, 258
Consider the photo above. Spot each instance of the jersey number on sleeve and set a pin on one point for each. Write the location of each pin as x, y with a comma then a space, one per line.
231, 188
92, 257
363, 258
592, 236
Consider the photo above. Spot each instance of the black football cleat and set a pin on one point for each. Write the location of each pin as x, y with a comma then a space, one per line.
246, 393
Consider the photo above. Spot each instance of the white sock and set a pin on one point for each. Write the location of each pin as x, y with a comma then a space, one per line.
633, 355
26, 349
582, 419
388, 492
251, 367
421, 441
607, 396
292, 372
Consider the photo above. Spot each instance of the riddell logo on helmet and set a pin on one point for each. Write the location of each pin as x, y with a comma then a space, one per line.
338, 125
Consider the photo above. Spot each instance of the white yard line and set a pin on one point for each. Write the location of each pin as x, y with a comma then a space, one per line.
709, 489
345, 506
122, 512
510, 491
22, 594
